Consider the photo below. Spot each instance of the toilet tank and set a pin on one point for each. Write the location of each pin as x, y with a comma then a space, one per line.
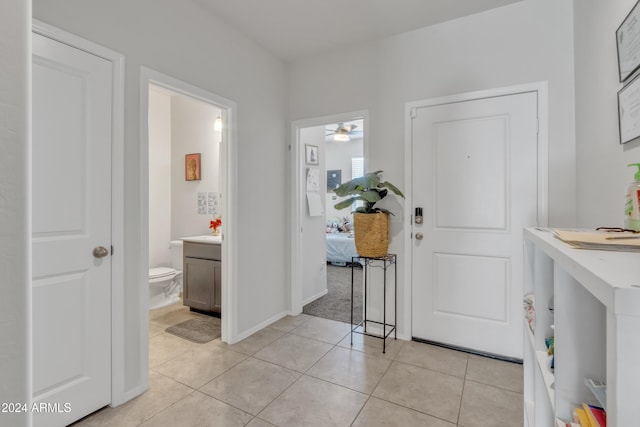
176, 254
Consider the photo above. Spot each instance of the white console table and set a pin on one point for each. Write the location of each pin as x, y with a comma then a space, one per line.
593, 299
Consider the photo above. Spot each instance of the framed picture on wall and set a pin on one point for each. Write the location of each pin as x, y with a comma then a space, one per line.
192, 167
628, 43
311, 154
629, 111
334, 179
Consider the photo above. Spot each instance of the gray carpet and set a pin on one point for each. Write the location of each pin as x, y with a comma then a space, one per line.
336, 304
200, 329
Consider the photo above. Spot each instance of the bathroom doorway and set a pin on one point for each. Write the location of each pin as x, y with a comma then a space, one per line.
321, 238
190, 200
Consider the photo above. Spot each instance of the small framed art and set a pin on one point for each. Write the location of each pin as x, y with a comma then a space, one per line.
311, 154
192, 167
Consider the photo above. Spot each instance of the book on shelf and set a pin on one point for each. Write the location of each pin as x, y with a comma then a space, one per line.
597, 416
589, 416
580, 417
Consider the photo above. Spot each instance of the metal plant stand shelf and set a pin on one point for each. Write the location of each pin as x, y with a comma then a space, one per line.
384, 263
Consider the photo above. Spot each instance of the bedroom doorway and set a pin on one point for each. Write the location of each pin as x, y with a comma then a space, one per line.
327, 152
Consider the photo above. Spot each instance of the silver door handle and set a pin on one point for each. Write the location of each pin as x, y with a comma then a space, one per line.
100, 252
419, 236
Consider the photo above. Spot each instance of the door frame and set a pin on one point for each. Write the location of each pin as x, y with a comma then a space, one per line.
229, 212
295, 272
118, 392
541, 89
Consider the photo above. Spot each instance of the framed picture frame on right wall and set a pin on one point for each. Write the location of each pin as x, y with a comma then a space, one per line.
629, 111
628, 43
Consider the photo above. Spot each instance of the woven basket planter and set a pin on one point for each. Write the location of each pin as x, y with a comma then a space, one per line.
371, 234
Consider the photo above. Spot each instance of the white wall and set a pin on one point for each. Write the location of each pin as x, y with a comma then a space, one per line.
313, 243
159, 178
192, 132
524, 42
602, 169
15, 220
182, 40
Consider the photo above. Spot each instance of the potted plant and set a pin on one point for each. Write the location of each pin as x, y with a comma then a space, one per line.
371, 223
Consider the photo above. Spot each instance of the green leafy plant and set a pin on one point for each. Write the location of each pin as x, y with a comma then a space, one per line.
368, 189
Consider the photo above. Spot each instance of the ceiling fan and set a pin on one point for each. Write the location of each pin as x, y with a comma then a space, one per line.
342, 132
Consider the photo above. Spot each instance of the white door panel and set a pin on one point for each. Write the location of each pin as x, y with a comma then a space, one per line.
71, 216
483, 166
478, 190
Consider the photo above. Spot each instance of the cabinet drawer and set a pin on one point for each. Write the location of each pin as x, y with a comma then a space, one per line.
202, 250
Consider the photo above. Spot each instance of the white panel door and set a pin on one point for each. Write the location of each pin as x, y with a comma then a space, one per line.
71, 216
475, 176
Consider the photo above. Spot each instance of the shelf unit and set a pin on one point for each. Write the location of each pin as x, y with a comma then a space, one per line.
594, 297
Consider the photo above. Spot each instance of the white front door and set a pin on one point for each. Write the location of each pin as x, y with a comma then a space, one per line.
474, 166
72, 115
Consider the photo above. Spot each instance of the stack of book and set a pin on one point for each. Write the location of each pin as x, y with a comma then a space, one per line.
586, 416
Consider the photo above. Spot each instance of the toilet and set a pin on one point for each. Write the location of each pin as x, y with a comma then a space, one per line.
165, 283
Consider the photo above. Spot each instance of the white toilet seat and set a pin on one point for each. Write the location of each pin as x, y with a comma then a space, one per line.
159, 274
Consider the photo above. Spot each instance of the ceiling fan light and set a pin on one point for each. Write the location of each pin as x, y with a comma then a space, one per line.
341, 135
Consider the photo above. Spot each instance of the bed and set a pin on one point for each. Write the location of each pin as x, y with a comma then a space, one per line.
340, 248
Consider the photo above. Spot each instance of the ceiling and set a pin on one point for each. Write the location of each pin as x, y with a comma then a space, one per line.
294, 29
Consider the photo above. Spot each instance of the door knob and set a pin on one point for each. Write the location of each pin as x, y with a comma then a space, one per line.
100, 252
419, 236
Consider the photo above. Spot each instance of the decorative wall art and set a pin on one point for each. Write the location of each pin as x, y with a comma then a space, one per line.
311, 154
628, 42
334, 179
629, 111
192, 167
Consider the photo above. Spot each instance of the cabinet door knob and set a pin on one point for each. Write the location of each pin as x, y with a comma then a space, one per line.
419, 236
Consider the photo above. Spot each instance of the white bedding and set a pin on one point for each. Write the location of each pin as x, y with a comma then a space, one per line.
341, 247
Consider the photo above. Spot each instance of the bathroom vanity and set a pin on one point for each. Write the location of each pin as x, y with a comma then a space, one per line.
202, 273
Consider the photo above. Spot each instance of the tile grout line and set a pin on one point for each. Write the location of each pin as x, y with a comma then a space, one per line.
464, 382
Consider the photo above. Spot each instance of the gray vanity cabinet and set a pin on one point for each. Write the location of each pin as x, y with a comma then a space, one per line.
202, 276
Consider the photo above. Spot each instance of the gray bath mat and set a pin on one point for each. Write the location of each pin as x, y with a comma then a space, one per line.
201, 329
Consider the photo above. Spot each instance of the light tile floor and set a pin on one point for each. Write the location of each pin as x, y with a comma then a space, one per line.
302, 371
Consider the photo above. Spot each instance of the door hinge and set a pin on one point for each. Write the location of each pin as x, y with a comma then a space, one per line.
413, 113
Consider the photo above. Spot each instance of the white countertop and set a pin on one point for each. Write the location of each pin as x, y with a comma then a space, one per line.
216, 240
613, 277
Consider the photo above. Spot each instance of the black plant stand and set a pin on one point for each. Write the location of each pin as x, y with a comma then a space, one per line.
383, 263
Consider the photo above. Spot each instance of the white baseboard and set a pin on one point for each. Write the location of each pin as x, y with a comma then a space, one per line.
315, 297
260, 326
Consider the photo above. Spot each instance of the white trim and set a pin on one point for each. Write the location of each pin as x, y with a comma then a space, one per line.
541, 88
295, 273
272, 319
315, 297
229, 208
118, 394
